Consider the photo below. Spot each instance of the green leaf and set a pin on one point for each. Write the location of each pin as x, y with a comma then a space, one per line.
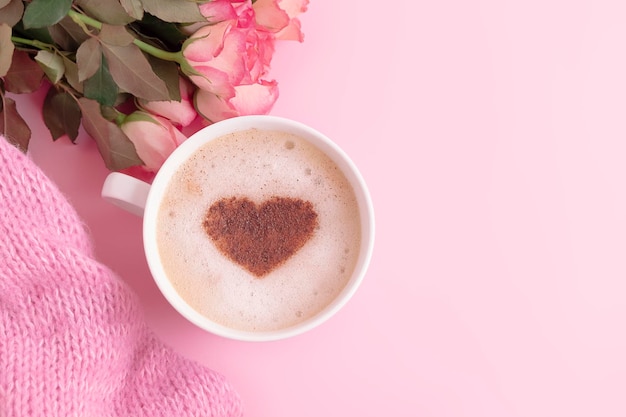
168, 72
101, 87
134, 8
68, 34
178, 11
117, 151
12, 125
61, 114
24, 75
131, 71
88, 58
157, 31
110, 113
6, 49
12, 12
115, 35
71, 74
105, 11
52, 65
42, 13
39, 34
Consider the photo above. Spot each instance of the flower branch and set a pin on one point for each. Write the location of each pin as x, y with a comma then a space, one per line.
136, 78
32, 42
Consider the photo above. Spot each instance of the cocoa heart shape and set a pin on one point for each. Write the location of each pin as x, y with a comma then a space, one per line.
260, 237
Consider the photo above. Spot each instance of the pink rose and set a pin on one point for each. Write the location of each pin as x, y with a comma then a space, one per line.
154, 137
229, 54
280, 17
249, 99
181, 113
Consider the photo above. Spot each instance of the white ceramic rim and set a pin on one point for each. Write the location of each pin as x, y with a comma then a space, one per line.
216, 130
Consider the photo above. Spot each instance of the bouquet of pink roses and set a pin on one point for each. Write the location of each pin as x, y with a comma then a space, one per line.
137, 73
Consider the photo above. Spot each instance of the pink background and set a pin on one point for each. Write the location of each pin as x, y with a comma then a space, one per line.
491, 134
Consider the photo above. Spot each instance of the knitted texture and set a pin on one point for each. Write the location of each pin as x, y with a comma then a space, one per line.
72, 338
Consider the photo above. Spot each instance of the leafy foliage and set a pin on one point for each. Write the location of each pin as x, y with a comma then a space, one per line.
116, 150
61, 114
85, 51
110, 64
6, 49
12, 126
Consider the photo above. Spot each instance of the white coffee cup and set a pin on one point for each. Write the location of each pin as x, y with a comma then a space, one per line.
144, 199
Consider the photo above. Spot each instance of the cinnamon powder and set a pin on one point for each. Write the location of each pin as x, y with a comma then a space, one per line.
260, 237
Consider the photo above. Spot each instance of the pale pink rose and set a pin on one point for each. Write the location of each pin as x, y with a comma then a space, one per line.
182, 112
154, 137
215, 52
228, 54
280, 17
249, 99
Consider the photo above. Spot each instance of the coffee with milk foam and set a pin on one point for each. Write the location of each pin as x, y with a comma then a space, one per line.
259, 230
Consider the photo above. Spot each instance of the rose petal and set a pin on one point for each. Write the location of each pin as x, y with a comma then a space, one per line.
292, 32
258, 58
218, 10
213, 80
225, 65
181, 113
231, 59
270, 15
212, 107
255, 98
293, 7
249, 99
206, 43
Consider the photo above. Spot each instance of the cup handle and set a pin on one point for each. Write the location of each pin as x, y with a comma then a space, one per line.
126, 192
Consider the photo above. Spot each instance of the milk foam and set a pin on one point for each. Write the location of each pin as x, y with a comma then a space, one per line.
258, 165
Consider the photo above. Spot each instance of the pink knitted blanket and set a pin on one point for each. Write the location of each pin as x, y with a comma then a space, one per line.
72, 338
